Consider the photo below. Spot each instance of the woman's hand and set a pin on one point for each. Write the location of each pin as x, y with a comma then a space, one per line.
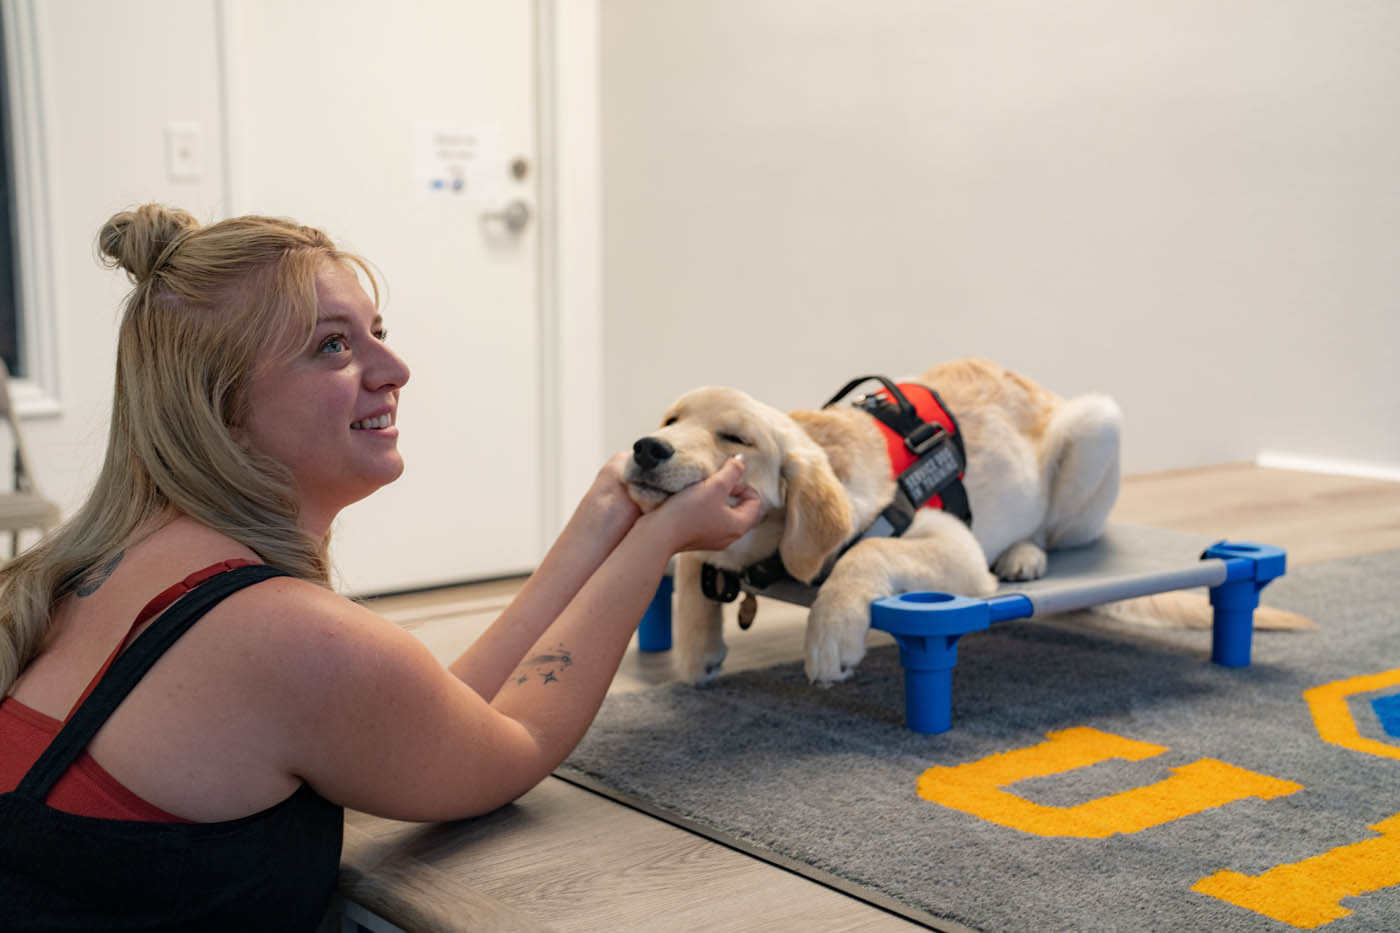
607, 499
711, 515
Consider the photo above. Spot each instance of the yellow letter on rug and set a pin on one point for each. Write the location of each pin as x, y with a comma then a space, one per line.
1308, 894
976, 787
1333, 718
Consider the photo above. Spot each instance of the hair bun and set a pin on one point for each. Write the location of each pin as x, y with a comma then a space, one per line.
137, 239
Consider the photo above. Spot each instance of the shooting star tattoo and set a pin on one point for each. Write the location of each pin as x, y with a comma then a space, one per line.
563, 658
546, 666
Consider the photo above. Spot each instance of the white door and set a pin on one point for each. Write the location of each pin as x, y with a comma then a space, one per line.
406, 130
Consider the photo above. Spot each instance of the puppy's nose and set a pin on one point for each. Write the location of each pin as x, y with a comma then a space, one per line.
649, 451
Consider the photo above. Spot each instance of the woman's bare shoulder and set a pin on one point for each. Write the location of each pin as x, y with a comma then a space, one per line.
302, 627
315, 649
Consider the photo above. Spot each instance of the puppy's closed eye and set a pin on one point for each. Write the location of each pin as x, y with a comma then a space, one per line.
733, 439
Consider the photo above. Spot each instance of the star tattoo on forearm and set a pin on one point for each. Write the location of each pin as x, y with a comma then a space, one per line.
546, 667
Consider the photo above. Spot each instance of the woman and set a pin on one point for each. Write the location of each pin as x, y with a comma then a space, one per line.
201, 783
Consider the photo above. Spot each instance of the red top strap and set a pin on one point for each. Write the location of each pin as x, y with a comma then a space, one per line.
154, 608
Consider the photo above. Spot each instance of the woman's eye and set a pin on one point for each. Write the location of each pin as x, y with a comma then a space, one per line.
336, 344
733, 439
381, 335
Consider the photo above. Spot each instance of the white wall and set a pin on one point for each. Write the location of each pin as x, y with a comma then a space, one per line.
577, 381
1192, 206
112, 75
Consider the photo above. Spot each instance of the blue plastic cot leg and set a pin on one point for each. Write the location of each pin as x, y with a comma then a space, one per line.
654, 634
1249, 568
927, 627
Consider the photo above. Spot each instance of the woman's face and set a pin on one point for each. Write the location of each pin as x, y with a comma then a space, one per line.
329, 413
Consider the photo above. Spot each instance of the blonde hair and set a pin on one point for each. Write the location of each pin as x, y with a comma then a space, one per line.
211, 304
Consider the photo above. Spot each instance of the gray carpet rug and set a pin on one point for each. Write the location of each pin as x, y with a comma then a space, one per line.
1096, 777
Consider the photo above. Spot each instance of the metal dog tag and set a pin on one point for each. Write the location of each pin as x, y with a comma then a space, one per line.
747, 610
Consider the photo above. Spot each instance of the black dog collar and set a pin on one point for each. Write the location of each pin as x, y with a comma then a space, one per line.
720, 585
723, 585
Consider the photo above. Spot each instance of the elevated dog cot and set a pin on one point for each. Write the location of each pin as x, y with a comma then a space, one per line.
1126, 562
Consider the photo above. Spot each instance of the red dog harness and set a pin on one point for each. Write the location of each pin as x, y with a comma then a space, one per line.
925, 449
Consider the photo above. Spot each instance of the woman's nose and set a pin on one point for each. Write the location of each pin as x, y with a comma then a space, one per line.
387, 371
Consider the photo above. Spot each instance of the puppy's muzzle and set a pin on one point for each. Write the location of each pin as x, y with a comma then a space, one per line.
651, 451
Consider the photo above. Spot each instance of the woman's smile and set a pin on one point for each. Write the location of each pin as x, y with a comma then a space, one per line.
378, 423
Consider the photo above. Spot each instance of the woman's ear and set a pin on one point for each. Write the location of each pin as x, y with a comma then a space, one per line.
818, 512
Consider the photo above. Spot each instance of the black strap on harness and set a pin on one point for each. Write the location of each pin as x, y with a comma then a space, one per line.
940, 460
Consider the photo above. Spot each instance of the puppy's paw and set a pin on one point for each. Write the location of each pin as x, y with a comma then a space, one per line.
701, 667
835, 644
1021, 561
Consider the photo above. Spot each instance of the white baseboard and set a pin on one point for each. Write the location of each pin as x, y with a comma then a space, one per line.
1282, 460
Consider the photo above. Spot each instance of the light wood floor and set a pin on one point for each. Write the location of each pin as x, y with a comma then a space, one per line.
563, 858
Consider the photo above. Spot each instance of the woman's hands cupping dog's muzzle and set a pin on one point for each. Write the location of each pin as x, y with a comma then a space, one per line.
711, 514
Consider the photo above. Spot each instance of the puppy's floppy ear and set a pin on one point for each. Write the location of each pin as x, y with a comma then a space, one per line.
818, 511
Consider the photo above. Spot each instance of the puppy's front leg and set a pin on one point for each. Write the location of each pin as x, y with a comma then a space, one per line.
698, 624
840, 615
937, 553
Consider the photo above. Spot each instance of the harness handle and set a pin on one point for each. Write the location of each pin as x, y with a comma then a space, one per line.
906, 409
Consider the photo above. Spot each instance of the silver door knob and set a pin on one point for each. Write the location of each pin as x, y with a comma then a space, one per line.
513, 218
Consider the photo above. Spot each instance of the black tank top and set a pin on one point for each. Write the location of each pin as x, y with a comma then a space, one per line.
274, 870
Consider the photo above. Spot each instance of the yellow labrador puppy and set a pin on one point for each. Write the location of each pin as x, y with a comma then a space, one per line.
1041, 472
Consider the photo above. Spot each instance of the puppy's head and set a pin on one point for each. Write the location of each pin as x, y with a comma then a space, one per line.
805, 505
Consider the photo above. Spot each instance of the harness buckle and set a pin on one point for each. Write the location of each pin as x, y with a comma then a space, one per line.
868, 403
921, 440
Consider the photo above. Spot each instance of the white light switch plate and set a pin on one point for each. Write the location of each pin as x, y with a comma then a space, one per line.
184, 144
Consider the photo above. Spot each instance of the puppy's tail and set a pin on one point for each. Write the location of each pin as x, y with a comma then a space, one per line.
1191, 609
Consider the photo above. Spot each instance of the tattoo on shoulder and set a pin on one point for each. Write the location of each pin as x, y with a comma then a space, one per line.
545, 667
92, 581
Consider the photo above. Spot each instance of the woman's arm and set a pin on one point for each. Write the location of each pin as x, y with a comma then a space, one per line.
373, 722
602, 518
557, 689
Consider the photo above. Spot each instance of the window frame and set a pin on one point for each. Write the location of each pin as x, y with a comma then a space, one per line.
36, 392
